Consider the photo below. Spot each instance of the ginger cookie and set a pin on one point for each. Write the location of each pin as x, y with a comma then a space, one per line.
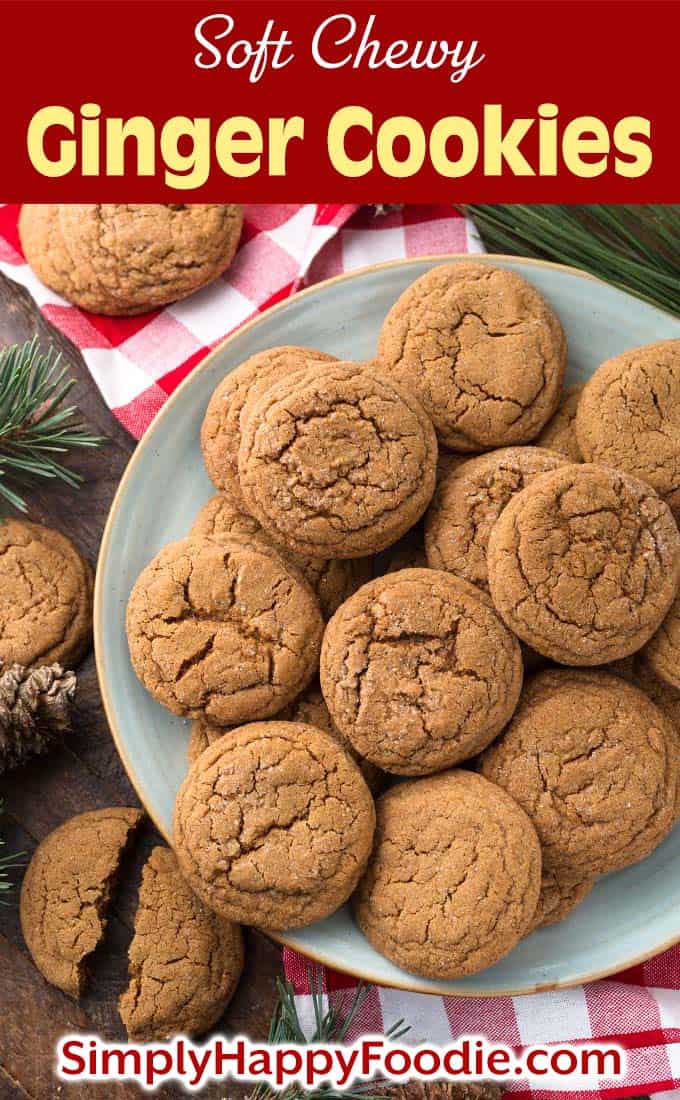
454, 878
629, 417
337, 462
470, 500
43, 246
221, 428
184, 961
45, 596
594, 764
310, 709
333, 581
662, 652
124, 259
664, 695
666, 698
224, 630
274, 825
558, 898
584, 564
66, 892
481, 349
419, 672
559, 433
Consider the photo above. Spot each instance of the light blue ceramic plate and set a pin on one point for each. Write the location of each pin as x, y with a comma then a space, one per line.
629, 916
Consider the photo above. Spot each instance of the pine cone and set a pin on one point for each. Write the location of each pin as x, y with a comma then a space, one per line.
35, 711
444, 1090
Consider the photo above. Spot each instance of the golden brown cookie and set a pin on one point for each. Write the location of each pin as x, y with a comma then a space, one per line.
66, 892
221, 428
593, 762
333, 581
223, 630
584, 564
418, 671
665, 697
309, 708
45, 596
123, 259
337, 462
44, 249
558, 898
629, 417
662, 652
559, 433
470, 500
184, 961
454, 878
482, 350
274, 825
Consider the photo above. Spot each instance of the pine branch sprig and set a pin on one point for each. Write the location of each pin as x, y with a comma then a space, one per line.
35, 424
331, 1025
8, 863
636, 248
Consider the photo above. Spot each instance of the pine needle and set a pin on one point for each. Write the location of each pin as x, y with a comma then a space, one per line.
35, 424
331, 1025
636, 248
8, 863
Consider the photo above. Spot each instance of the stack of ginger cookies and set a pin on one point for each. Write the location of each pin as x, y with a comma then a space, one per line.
426, 631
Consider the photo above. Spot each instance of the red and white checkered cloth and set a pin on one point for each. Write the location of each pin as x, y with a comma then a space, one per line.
136, 363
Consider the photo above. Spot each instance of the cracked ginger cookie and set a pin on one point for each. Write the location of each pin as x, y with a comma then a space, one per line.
481, 349
221, 428
584, 564
337, 461
332, 580
45, 596
227, 630
419, 672
309, 708
559, 433
454, 878
594, 764
662, 652
66, 892
184, 961
469, 501
123, 259
274, 825
629, 417
558, 898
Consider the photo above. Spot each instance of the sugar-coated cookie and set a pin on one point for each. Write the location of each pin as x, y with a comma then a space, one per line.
229, 631
337, 461
418, 671
584, 564
482, 350
454, 879
274, 825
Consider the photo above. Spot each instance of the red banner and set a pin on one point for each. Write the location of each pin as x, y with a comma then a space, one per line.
512, 100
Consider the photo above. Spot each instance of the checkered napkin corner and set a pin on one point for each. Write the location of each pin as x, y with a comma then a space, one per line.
138, 361
638, 1009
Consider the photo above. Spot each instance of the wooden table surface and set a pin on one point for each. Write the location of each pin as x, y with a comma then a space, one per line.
83, 775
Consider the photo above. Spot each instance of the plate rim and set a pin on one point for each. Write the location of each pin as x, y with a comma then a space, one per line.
408, 984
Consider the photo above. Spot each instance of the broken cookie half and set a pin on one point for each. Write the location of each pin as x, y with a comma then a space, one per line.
184, 960
67, 889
